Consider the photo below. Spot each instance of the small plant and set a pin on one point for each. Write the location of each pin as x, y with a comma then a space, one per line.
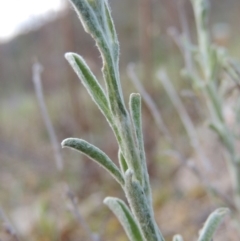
217, 68
132, 175
216, 75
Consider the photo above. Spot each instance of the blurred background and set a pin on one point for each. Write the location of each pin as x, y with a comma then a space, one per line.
31, 189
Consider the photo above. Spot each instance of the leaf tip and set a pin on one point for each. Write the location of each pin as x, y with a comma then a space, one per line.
68, 56
66, 142
222, 211
135, 95
107, 200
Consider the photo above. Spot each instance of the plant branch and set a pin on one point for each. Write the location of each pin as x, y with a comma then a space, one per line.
36, 72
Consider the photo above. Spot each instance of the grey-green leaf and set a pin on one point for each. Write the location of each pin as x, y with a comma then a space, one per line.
135, 110
122, 162
90, 82
96, 155
125, 217
90, 14
93, 87
141, 208
112, 32
212, 223
96, 19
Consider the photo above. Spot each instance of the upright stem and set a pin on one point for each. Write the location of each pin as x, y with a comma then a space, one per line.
201, 9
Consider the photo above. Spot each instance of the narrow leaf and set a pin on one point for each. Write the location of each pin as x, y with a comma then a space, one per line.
90, 13
113, 34
96, 155
135, 110
218, 128
93, 87
122, 212
141, 209
90, 82
96, 19
212, 223
122, 162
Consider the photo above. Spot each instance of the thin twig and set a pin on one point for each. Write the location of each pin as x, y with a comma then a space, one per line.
149, 102
233, 74
187, 122
210, 187
37, 69
175, 35
75, 211
232, 88
203, 180
8, 226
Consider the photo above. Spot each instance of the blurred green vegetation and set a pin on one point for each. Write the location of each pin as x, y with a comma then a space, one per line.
28, 177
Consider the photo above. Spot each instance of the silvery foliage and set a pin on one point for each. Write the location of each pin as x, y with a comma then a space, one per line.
132, 175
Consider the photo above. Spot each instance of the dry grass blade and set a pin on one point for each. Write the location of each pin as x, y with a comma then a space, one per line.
75, 211
187, 122
8, 227
37, 69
